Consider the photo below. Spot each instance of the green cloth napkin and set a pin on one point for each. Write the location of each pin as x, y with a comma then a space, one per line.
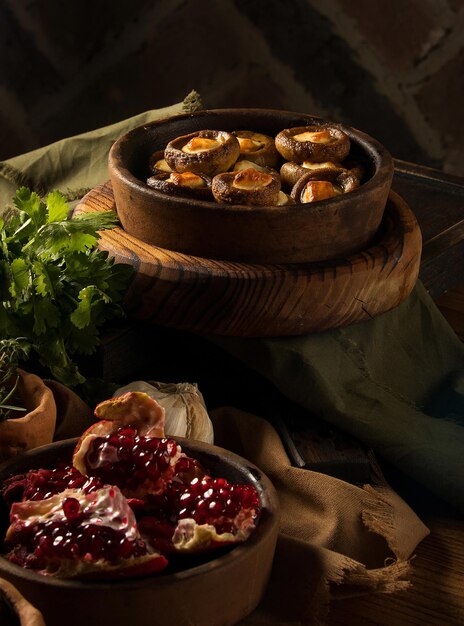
77, 164
395, 382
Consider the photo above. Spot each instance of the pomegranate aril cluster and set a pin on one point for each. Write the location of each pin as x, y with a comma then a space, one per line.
128, 460
43, 483
215, 501
50, 542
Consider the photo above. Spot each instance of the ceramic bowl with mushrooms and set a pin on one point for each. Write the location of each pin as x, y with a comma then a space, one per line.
252, 185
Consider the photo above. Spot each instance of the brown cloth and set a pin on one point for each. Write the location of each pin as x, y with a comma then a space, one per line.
335, 539
73, 415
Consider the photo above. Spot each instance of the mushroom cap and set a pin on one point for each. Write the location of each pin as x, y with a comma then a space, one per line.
248, 186
203, 152
342, 180
317, 143
259, 148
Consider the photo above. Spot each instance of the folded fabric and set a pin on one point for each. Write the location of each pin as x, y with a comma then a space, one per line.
76, 164
335, 538
394, 382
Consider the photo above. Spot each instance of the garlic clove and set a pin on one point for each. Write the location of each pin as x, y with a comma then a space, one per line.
186, 413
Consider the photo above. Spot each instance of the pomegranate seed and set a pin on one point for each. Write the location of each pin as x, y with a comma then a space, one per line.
183, 465
127, 431
202, 506
126, 548
72, 508
152, 444
97, 546
215, 508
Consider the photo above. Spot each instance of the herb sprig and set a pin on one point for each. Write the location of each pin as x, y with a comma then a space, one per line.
57, 289
12, 351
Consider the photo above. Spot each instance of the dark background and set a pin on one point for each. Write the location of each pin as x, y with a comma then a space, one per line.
391, 68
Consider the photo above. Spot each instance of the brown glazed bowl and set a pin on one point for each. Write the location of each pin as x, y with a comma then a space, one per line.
299, 233
216, 592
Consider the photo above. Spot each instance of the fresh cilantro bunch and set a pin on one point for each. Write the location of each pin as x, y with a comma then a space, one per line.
56, 288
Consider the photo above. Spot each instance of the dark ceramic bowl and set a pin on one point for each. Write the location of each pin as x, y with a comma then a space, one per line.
301, 233
215, 592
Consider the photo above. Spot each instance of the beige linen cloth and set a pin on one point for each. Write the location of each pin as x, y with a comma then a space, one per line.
335, 538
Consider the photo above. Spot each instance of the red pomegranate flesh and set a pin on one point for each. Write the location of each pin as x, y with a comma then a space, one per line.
43, 483
77, 535
136, 464
203, 514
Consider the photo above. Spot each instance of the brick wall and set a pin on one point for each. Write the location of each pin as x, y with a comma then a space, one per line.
391, 68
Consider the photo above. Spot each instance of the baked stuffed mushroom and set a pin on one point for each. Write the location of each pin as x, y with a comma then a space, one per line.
185, 184
315, 186
158, 164
248, 186
290, 172
256, 147
316, 143
205, 152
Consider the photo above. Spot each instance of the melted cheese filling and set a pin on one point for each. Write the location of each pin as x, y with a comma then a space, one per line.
282, 199
245, 165
187, 179
162, 165
249, 145
309, 165
318, 136
203, 144
251, 180
319, 190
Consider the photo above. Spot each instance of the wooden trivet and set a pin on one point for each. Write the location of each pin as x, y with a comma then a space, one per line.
222, 297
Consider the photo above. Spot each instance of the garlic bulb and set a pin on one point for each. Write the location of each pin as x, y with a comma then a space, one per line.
186, 414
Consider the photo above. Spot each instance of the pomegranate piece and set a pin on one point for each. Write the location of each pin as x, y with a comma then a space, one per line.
204, 514
137, 465
80, 535
134, 409
43, 483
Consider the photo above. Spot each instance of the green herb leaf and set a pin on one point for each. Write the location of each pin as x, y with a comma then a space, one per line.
20, 277
30, 203
57, 289
57, 206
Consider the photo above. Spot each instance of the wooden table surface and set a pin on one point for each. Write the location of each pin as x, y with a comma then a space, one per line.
435, 597
437, 200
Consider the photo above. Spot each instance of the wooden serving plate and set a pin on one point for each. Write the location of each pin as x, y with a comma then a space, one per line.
239, 299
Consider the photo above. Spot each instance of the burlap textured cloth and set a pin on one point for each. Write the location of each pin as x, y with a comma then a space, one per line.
335, 538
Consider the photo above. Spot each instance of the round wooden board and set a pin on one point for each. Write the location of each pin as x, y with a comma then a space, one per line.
240, 299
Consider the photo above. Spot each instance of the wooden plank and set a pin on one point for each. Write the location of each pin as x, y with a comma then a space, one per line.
437, 200
435, 596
